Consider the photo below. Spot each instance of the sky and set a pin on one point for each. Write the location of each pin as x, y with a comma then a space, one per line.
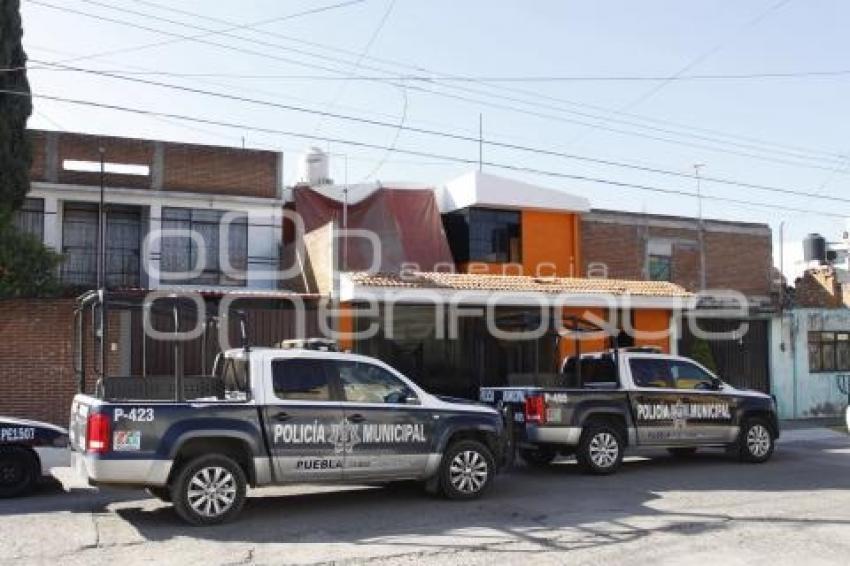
366, 59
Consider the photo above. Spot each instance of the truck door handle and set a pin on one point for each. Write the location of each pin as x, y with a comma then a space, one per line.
356, 419
282, 416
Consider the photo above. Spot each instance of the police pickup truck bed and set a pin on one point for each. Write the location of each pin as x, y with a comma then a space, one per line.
279, 416
618, 399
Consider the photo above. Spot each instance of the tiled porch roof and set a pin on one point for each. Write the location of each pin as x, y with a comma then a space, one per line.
519, 283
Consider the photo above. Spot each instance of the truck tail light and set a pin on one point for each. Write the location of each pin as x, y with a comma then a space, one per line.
535, 409
97, 433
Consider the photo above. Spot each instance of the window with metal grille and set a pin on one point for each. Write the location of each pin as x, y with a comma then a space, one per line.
79, 245
180, 254
829, 351
29, 219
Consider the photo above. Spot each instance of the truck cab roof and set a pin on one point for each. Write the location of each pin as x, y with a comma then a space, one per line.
271, 353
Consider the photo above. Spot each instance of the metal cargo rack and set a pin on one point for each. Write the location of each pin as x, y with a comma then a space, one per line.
91, 314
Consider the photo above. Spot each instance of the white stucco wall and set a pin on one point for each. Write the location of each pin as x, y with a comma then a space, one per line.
265, 223
799, 392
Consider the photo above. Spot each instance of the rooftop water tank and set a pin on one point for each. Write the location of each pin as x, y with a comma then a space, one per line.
314, 168
814, 248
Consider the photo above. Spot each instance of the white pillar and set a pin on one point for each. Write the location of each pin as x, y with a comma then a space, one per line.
675, 322
53, 223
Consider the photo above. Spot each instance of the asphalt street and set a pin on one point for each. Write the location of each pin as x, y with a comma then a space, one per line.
705, 510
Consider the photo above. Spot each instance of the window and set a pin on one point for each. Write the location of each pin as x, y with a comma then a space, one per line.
180, 253
660, 259
690, 376
367, 383
483, 234
79, 244
829, 351
660, 268
123, 245
300, 380
29, 219
650, 372
595, 372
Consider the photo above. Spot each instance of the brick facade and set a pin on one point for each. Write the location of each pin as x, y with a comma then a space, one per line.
172, 166
737, 255
223, 170
36, 359
37, 379
821, 288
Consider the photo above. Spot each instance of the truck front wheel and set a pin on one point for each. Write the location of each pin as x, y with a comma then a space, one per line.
466, 470
209, 490
18, 471
756, 441
600, 449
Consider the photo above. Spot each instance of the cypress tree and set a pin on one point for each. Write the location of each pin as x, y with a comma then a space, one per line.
15, 110
27, 267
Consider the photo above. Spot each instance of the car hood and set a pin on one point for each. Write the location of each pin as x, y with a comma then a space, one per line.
746, 392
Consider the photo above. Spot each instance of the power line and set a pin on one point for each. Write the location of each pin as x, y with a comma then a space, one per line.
655, 89
534, 94
469, 79
830, 158
443, 157
206, 33
448, 135
365, 51
243, 88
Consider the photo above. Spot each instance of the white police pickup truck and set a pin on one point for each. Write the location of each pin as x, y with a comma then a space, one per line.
270, 416
28, 452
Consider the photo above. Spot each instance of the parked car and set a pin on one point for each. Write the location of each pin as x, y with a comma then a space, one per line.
603, 403
28, 451
273, 416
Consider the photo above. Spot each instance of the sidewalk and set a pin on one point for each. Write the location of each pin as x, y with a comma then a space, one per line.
805, 430
818, 422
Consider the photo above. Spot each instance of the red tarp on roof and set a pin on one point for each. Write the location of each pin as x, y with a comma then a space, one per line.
406, 221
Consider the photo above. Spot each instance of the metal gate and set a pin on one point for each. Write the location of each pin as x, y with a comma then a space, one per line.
742, 362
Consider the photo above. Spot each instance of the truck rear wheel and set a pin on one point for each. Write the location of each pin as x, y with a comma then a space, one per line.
209, 490
600, 449
539, 458
18, 471
466, 470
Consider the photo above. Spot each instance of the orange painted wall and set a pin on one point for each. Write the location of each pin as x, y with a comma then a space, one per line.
653, 320
550, 247
591, 342
346, 327
550, 238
